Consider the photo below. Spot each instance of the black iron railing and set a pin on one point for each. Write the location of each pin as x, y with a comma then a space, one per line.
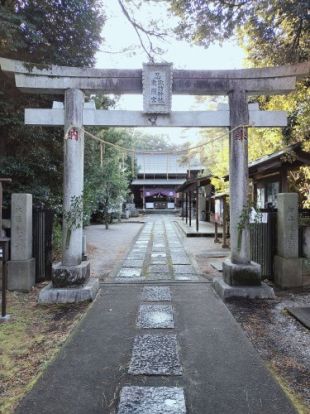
42, 228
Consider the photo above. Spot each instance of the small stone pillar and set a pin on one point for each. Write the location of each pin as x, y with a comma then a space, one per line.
287, 264
21, 267
239, 270
72, 271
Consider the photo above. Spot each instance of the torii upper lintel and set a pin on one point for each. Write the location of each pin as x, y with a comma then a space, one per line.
56, 79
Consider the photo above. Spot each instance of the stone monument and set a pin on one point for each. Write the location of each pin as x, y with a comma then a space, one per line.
287, 264
21, 267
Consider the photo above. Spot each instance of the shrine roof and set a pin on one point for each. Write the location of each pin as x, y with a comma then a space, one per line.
161, 164
292, 154
193, 183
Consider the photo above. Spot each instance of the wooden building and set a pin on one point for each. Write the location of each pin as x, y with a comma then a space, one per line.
269, 174
158, 176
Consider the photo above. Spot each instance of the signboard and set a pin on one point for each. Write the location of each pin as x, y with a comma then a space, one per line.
157, 88
218, 211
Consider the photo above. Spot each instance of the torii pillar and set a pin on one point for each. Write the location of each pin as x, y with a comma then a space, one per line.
238, 270
72, 271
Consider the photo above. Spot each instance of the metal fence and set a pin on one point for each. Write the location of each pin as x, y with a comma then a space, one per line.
42, 229
264, 243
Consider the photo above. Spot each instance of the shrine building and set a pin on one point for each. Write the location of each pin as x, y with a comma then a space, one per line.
158, 176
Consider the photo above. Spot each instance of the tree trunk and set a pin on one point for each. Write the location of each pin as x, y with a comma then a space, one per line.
106, 218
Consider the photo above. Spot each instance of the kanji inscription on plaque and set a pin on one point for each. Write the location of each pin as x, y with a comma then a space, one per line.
157, 87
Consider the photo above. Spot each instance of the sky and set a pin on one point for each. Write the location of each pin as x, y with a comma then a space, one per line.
118, 35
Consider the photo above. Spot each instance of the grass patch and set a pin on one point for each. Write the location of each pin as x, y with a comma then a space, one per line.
29, 341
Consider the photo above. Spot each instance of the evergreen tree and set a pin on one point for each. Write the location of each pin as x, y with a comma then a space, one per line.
65, 32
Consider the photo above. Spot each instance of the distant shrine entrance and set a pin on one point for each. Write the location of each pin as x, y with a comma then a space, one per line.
157, 82
157, 178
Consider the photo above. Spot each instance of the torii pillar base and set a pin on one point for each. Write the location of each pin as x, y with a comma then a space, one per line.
226, 292
70, 284
75, 294
241, 274
70, 276
242, 281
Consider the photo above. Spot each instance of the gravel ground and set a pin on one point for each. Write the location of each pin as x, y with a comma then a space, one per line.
281, 340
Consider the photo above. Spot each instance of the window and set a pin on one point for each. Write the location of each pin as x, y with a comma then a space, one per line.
272, 190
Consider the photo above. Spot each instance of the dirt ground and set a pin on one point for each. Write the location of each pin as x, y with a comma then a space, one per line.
29, 341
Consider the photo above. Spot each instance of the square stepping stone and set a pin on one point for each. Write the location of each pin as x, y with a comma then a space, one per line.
154, 316
158, 249
302, 314
159, 276
158, 241
133, 263
136, 256
127, 280
159, 245
217, 265
156, 294
127, 272
180, 269
159, 268
156, 255
155, 355
139, 250
160, 261
180, 260
152, 400
186, 277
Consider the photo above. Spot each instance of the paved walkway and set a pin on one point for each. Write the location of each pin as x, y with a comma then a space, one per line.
157, 255
206, 229
156, 341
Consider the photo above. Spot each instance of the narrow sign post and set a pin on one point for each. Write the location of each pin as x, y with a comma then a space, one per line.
4, 255
4, 248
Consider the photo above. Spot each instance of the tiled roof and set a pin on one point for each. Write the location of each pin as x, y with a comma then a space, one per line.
162, 164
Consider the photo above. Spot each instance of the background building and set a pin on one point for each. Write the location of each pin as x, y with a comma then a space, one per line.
157, 178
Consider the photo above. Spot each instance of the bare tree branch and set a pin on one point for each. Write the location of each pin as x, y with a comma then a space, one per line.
147, 45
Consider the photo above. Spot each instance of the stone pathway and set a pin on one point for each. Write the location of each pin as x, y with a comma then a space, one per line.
161, 345
157, 255
154, 354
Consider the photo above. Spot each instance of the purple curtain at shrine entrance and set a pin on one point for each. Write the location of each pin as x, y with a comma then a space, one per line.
149, 192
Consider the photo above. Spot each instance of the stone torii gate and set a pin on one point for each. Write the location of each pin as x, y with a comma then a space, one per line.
157, 82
